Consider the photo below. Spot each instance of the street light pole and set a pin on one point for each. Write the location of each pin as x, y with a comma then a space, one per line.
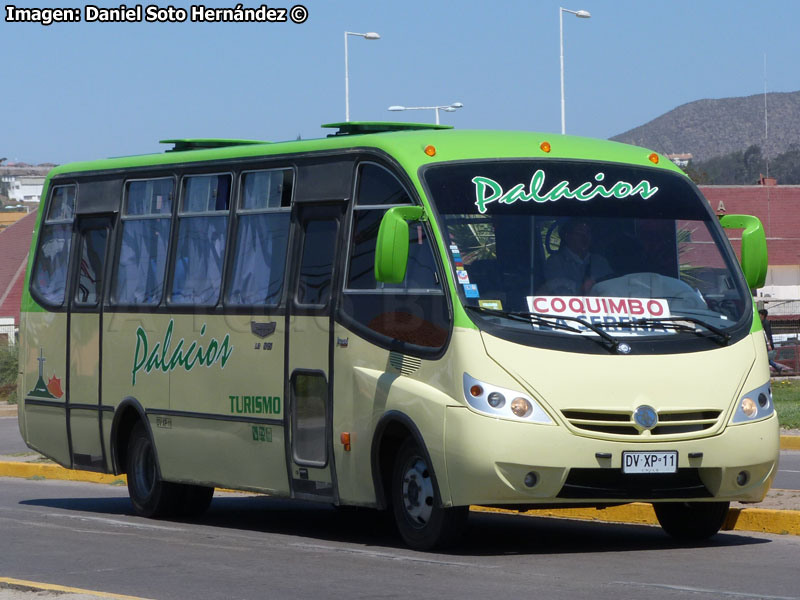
582, 14
367, 36
445, 107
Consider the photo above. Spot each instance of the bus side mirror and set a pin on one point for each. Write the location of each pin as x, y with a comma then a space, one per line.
754, 247
391, 248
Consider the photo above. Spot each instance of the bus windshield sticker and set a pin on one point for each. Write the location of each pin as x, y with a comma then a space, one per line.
161, 359
463, 277
487, 190
471, 290
491, 304
610, 312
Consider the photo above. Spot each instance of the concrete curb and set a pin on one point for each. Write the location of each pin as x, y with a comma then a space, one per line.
781, 522
27, 470
36, 586
790, 442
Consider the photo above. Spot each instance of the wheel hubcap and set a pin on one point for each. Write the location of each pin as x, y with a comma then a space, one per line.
418, 492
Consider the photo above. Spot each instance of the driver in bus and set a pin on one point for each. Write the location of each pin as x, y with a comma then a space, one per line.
574, 269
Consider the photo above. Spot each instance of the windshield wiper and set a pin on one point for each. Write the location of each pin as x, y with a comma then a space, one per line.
679, 324
607, 340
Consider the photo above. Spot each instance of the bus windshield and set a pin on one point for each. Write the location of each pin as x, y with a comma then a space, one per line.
575, 247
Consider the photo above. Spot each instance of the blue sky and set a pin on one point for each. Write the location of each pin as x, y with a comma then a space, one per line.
91, 90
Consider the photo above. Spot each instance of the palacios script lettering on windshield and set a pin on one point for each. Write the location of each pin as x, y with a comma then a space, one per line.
487, 190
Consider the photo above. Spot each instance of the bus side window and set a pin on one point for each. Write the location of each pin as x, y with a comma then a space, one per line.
202, 235
414, 311
146, 219
50, 272
262, 238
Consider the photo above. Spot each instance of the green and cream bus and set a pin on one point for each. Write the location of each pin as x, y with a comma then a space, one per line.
404, 317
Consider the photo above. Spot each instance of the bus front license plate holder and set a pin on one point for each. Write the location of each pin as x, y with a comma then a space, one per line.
650, 462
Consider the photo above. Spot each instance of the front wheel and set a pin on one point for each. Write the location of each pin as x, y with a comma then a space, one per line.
421, 520
691, 521
151, 497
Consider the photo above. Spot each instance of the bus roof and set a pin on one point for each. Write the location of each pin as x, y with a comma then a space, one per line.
405, 142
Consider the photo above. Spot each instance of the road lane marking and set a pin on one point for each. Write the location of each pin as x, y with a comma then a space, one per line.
11, 583
390, 556
717, 593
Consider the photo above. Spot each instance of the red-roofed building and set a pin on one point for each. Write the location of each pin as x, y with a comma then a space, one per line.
778, 207
15, 242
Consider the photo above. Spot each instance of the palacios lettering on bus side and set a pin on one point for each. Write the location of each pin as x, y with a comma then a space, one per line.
487, 190
161, 358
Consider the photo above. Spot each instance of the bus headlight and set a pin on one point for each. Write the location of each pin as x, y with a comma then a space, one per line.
491, 400
754, 405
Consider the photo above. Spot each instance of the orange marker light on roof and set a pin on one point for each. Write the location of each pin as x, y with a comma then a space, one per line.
654, 158
430, 150
545, 146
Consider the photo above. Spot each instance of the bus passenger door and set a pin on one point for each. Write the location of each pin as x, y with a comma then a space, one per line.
309, 338
84, 404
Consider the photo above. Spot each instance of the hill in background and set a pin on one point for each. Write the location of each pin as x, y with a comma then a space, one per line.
711, 128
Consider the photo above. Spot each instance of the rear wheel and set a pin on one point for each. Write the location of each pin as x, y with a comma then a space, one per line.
150, 496
691, 521
195, 500
421, 520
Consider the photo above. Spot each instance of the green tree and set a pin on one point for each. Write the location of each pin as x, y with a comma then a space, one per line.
9, 370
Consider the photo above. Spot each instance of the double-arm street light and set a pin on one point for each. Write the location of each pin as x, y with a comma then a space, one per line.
446, 108
582, 14
367, 36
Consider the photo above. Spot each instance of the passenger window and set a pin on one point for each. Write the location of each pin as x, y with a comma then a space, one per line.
262, 239
62, 206
378, 187
49, 279
414, 311
267, 189
146, 219
202, 234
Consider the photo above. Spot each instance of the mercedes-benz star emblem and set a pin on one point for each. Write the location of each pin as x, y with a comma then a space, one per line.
645, 417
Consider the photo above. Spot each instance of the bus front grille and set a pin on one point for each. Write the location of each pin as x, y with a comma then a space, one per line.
614, 484
621, 422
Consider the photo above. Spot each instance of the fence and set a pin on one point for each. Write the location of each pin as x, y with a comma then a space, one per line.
784, 318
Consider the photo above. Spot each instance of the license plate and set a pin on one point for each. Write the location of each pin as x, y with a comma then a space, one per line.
650, 462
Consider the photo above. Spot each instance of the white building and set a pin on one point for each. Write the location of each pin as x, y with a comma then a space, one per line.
23, 188
7, 331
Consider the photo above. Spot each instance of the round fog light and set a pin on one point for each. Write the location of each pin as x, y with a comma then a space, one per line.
762, 400
743, 478
531, 479
521, 407
496, 400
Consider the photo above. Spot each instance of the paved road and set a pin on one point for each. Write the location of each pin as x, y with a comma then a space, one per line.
788, 477
84, 535
10, 440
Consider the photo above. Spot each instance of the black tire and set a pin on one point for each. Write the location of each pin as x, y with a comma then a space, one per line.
691, 521
418, 513
151, 497
194, 501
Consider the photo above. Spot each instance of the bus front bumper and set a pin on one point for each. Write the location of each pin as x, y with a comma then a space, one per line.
499, 462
